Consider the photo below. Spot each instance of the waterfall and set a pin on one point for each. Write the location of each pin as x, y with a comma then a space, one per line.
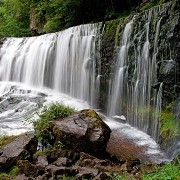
131, 93
116, 100
157, 112
70, 62
64, 61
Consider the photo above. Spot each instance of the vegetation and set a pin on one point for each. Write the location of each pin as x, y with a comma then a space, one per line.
6, 139
44, 124
14, 18
23, 17
10, 175
167, 172
170, 126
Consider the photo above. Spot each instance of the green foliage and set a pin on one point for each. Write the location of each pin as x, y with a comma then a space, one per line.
147, 5
119, 177
14, 18
43, 126
166, 172
170, 126
10, 175
14, 171
40, 153
6, 139
51, 16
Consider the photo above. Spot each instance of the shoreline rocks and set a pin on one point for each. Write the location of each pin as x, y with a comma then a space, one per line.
22, 147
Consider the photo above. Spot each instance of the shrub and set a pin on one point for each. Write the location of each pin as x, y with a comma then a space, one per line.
44, 125
169, 125
11, 174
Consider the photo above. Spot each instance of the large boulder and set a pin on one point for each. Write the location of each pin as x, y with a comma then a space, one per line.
21, 148
83, 131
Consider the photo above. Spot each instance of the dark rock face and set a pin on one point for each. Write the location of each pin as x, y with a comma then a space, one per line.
27, 168
60, 163
22, 148
83, 131
78, 169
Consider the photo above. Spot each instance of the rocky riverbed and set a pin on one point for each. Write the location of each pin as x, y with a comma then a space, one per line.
81, 148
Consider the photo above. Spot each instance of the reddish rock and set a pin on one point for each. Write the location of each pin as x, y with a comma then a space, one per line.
125, 149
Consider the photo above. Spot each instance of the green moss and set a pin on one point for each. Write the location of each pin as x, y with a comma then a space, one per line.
6, 139
111, 29
40, 153
169, 125
11, 175
93, 114
167, 172
14, 171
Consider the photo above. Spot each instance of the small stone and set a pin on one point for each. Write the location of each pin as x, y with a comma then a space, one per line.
42, 160
103, 176
62, 161
56, 170
85, 172
27, 168
22, 177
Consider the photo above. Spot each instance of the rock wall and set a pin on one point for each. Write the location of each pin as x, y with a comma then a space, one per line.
167, 62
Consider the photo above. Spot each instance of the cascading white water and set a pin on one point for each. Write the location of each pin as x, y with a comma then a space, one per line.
131, 93
157, 112
117, 92
67, 62
64, 61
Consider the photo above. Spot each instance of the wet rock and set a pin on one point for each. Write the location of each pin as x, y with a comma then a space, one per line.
53, 155
56, 170
133, 163
42, 161
63, 161
45, 176
21, 148
27, 168
42, 178
91, 161
86, 172
22, 177
103, 176
133, 166
83, 131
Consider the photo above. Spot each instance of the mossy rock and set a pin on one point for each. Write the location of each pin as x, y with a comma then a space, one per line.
83, 131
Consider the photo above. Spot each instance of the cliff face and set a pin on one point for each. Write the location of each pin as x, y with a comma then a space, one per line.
155, 38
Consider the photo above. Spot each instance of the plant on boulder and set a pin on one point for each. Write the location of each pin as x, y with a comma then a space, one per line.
44, 124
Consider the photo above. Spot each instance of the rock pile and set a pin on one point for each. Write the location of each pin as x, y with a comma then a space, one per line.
83, 155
